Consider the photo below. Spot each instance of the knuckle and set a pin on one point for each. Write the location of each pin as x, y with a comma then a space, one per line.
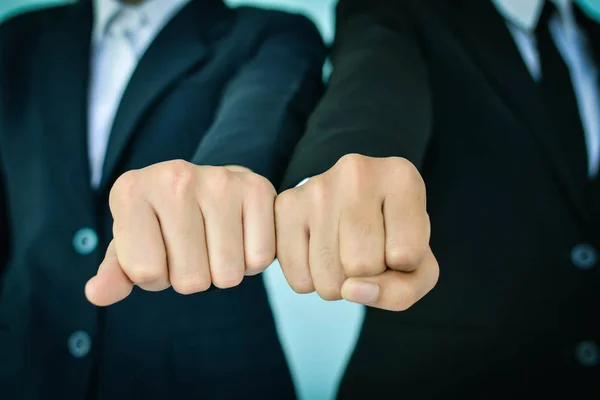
125, 189
357, 177
142, 274
403, 257
190, 285
229, 280
353, 163
178, 165
302, 286
259, 185
219, 181
355, 169
330, 292
257, 262
402, 166
179, 177
320, 189
406, 172
286, 203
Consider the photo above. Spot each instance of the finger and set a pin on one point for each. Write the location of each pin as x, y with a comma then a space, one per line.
324, 255
224, 239
362, 240
182, 229
138, 238
110, 285
394, 290
292, 242
258, 225
407, 230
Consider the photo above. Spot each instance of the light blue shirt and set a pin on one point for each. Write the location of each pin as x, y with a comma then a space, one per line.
115, 56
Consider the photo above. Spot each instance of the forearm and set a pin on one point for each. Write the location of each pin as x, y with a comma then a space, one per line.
264, 109
377, 103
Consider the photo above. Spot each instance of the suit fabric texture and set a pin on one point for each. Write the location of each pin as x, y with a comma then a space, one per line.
516, 231
217, 86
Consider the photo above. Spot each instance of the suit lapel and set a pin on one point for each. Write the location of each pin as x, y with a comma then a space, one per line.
493, 47
182, 45
62, 73
591, 25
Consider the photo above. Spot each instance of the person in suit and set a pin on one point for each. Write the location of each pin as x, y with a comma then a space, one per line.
91, 90
497, 104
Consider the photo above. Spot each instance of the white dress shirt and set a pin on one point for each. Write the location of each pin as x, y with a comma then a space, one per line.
120, 36
522, 18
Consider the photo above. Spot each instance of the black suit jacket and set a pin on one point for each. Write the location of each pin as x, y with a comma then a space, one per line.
514, 314
217, 86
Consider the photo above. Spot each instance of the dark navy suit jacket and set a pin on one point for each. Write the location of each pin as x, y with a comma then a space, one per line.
217, 86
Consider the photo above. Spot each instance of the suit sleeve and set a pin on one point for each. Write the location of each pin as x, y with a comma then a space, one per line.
264, 109
378, 100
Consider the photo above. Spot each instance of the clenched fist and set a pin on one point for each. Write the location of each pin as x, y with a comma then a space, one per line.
360, 231
186, 226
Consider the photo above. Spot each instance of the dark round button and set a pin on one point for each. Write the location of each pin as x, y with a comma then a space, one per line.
584, 256
587, 353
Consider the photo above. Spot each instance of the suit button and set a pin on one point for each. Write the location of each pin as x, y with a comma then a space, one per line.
79, 344
85, 241
587, 353
584, 256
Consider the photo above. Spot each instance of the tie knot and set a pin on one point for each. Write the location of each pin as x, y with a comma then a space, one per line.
127, 22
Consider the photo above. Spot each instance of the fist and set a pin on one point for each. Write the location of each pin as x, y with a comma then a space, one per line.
188, 227
360, 231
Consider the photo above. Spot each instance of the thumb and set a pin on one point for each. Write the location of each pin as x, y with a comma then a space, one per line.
111, 284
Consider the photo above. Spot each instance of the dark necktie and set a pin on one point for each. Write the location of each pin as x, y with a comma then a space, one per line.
558, 93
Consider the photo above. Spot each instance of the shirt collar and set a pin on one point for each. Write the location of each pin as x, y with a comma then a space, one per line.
525, 14
104, 11
158, 13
